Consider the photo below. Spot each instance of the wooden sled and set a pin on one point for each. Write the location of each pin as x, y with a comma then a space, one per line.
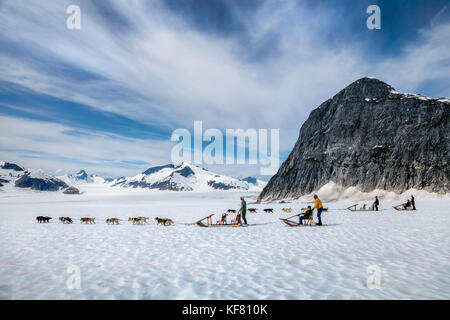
353, 208
206, 222
307, 223
400, 207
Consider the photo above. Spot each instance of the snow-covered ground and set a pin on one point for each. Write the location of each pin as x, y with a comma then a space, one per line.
268, 260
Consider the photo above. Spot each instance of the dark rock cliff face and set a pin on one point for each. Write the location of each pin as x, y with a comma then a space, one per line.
185, 172
221, 186
167, 185
41, 184
11, 166
372, 137
82, 175
156, 169
71, 190
250, 180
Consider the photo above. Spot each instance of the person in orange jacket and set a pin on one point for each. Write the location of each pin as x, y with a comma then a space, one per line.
319, 207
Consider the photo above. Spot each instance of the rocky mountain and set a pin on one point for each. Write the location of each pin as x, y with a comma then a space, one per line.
184, 177
71, 190
13, 175
255, 182
40, 183
250, 180
82, 177
11, 166
371, 137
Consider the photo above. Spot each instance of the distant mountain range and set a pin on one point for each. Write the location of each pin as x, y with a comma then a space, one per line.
13, 175
83, 177
184, 177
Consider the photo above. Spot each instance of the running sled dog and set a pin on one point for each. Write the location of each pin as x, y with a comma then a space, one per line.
164, 221
144, 219
112, 221
138, 220
65, 220
87, 220
42, 219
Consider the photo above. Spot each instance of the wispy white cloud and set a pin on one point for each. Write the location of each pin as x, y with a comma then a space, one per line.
426, 60
437, 16
52, 146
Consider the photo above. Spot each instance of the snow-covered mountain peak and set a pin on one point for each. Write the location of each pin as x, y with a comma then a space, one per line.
183, 177
155, 169
82, 175
11, 166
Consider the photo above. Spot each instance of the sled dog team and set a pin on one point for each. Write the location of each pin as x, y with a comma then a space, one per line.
88, 220
305, 215
240, 217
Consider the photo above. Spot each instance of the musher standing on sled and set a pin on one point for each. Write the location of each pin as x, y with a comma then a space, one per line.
243, 210
319, 207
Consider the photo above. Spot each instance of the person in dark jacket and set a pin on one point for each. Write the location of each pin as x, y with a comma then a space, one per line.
376, 203
413, 203
306, 215
407, 204
243, 210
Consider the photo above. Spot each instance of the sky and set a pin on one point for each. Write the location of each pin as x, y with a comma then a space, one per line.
107, 97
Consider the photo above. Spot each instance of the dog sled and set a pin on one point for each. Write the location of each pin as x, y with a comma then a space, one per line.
306, 222
207, 222
403, 207
363, 208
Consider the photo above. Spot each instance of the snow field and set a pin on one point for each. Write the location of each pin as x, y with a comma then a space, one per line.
267, 260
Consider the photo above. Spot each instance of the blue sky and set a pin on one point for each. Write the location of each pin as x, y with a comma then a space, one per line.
106, 98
